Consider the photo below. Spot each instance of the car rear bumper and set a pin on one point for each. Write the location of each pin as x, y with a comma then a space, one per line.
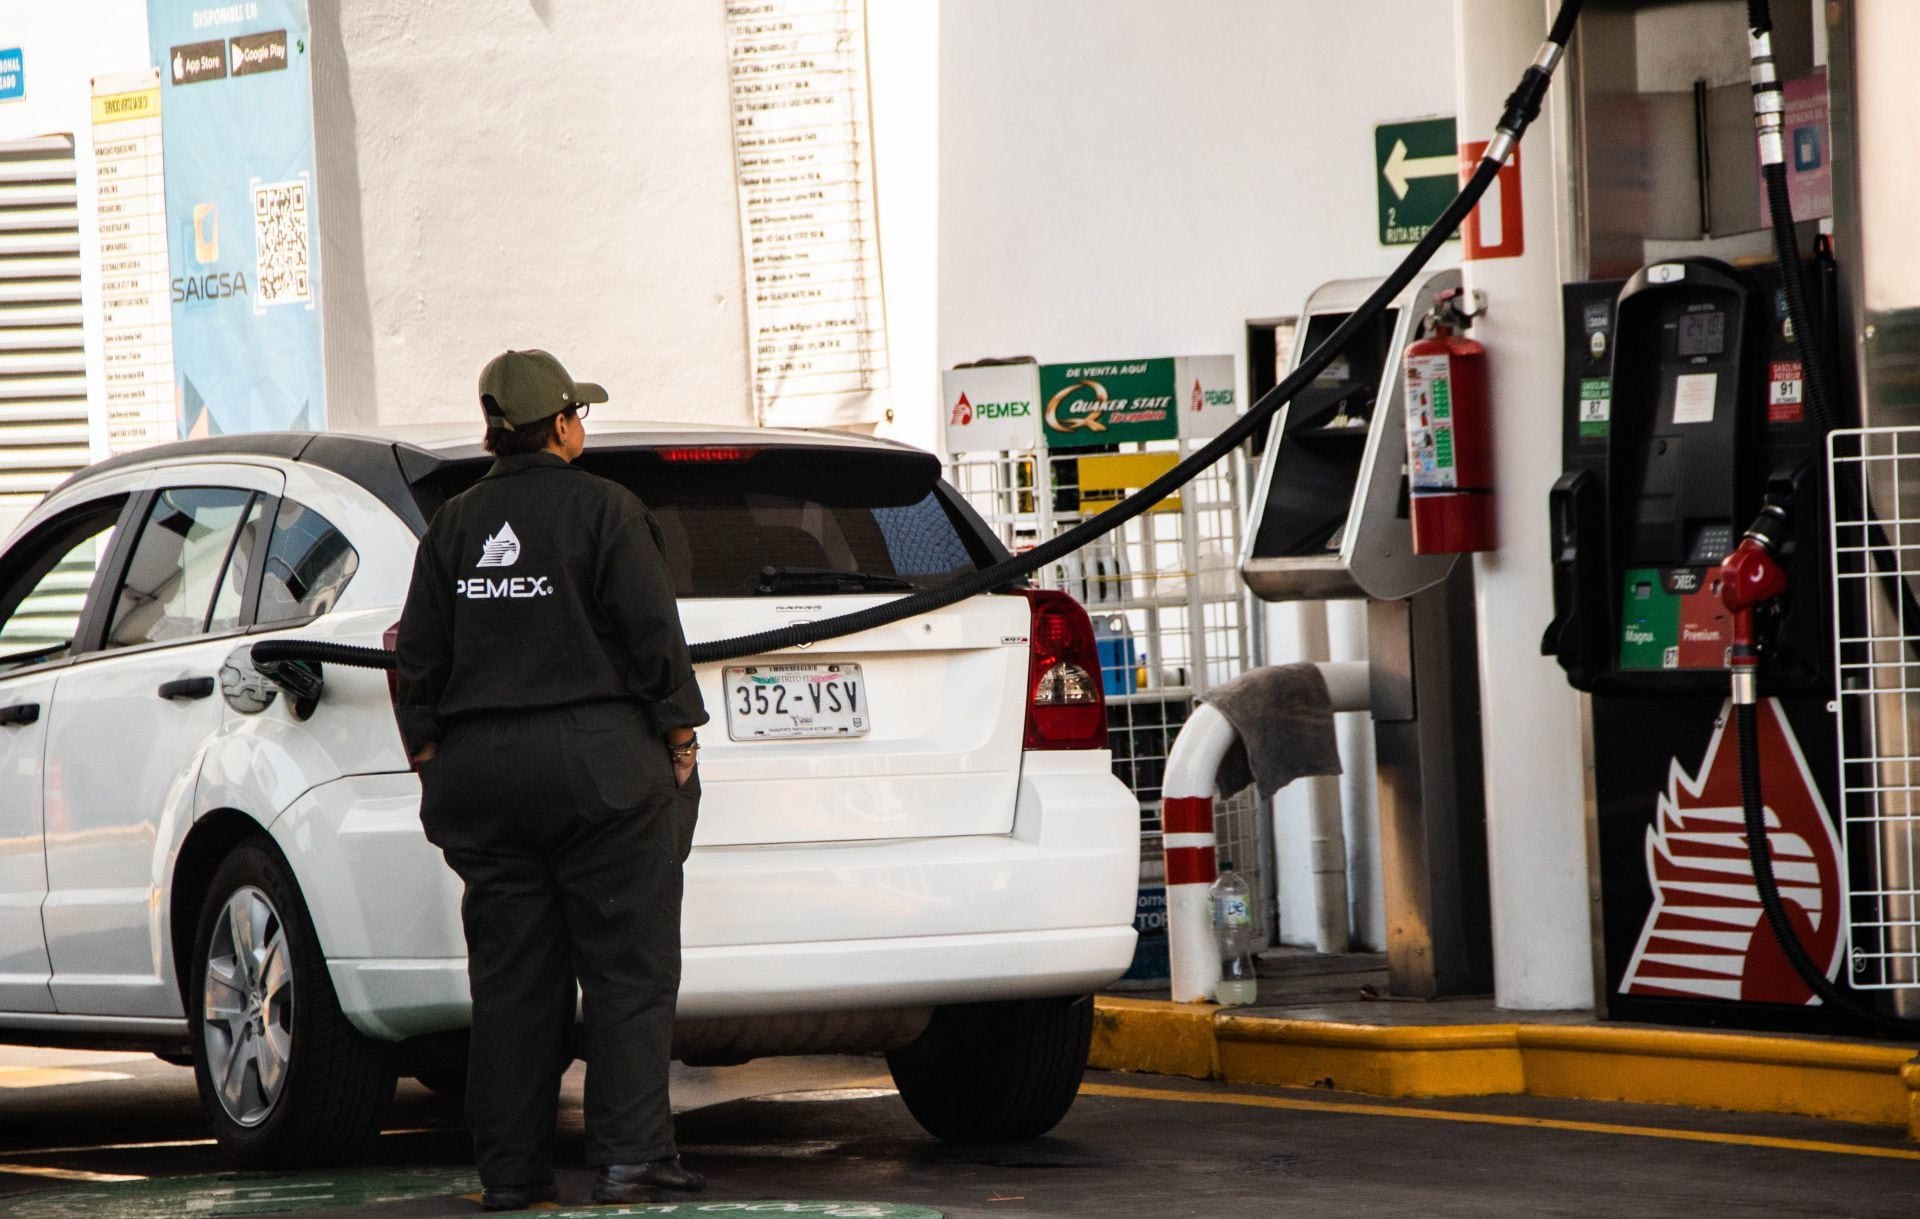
395, 999
1046, 910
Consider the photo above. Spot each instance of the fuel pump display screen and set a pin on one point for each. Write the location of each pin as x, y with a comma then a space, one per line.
1703, 334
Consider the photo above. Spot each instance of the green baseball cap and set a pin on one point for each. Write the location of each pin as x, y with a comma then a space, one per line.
522, 387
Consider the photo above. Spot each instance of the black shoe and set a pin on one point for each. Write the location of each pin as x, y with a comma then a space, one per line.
517, 1197
639, 1182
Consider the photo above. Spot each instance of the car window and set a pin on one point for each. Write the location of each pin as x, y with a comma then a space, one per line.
228, 605
309, 564
876, 516
40, 610
719, 546
177, 562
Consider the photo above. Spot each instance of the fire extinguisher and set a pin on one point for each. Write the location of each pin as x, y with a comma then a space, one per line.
1449, 440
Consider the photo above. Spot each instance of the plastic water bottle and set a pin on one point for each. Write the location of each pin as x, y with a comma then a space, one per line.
1233, 928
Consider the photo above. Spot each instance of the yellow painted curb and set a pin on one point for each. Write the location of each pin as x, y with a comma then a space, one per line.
1154, 1037
1842, 1081
1472, 1060
1750, 1074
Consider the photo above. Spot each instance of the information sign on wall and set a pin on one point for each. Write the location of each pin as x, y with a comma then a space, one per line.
803, 160
136, 316
1809, 157
1416, 173
237, 108
13, 74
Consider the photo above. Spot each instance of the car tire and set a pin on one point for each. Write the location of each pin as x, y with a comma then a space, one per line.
285, 1080
995, 1072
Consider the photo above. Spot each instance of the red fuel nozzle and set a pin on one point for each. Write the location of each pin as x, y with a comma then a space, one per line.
1749, 577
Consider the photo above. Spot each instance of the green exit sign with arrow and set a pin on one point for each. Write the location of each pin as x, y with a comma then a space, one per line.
1416, 173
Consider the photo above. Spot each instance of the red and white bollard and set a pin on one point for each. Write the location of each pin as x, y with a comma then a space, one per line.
1188, 842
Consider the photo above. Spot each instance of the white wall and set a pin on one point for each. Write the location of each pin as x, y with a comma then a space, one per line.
1123, 177
528, 173
1530, 718
903, 69
1132, 177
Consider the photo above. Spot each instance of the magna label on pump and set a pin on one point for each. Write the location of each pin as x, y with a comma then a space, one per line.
1430, 457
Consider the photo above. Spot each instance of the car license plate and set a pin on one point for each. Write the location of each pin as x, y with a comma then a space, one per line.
768, 702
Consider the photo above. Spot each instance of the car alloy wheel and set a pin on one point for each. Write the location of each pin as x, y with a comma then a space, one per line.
248, 1007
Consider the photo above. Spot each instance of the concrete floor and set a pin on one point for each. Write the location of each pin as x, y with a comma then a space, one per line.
99, 1135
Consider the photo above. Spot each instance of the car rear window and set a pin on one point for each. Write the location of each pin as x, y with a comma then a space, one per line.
880, 518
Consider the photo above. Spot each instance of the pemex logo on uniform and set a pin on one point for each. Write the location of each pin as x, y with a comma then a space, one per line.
1706, 936
500, 550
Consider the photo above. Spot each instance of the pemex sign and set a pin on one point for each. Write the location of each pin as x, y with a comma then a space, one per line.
1025, 406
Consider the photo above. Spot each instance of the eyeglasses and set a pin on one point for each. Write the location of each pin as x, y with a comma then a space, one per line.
580, 409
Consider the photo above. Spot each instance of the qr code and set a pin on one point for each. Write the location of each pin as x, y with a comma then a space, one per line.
280, 240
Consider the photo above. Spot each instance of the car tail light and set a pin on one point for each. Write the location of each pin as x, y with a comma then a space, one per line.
708, 453
1065, 706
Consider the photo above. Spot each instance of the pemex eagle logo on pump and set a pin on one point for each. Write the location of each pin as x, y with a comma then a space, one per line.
1706, 935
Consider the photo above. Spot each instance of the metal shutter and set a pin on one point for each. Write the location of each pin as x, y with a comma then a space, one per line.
43, 367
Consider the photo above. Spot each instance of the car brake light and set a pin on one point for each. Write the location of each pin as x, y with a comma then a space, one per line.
1066, 708
708, 453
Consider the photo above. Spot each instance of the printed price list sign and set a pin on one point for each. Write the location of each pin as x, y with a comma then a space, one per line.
136, 311
803, 160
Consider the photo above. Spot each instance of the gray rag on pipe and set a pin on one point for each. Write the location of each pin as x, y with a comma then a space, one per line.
1283, 723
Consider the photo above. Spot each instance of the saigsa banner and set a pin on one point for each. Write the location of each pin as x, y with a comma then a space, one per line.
237, 124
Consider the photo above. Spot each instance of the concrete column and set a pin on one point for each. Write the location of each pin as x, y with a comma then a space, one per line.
1536, 841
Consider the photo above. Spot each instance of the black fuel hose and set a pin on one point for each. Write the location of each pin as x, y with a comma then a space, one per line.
1786, 244
1522, 107
270, 650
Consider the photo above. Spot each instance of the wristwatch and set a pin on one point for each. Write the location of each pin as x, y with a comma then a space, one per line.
684, 749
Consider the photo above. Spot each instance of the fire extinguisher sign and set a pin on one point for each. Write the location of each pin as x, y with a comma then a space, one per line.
1430, 456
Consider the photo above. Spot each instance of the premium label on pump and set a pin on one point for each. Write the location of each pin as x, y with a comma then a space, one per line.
1786, 392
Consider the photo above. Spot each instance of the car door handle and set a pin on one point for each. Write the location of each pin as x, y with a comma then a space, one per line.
187, 687
19, 715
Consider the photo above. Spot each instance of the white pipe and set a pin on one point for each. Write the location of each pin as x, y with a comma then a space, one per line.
1188, 841
1326, 826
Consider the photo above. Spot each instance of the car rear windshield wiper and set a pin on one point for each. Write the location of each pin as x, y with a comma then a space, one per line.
825, 579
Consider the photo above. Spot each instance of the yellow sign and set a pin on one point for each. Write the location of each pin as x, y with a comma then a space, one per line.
120, 107
1109, 476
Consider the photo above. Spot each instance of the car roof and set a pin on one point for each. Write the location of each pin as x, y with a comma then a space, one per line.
389, 461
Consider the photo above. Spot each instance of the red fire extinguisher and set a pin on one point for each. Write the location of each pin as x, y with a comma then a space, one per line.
1449, 440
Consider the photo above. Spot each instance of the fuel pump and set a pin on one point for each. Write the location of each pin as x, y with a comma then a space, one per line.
1688, 544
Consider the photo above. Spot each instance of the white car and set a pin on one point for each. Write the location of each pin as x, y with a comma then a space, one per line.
195, 861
